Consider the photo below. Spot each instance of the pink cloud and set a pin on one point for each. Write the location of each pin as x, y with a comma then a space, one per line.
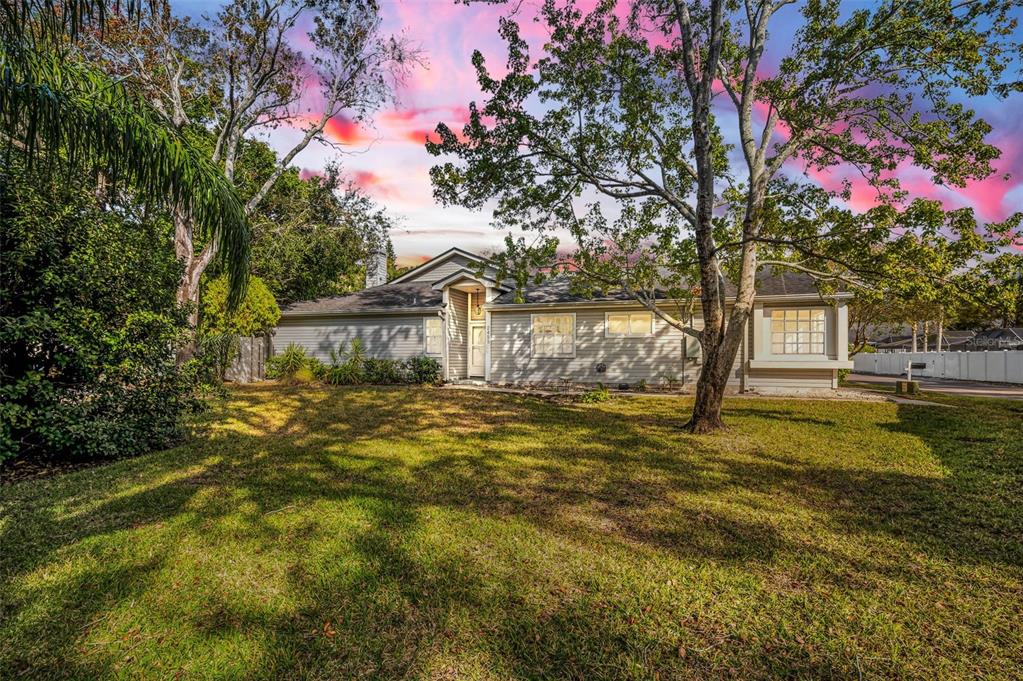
374, 184
989, 197
411, 260
343, 130
339, 129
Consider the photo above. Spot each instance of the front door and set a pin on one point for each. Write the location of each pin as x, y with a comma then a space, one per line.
477, 345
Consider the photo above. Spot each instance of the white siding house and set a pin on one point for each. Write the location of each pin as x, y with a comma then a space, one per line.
547, 333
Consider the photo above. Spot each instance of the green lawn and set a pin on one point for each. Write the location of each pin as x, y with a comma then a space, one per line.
440, 534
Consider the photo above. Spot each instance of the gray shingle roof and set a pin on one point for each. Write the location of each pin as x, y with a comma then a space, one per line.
403, 296
1010, 333
415, 295
557, 289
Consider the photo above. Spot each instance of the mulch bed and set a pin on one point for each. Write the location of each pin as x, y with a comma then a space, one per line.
17, 470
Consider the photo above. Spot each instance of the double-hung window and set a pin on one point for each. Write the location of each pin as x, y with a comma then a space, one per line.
797, 332
626, 324
554, 335
432, 336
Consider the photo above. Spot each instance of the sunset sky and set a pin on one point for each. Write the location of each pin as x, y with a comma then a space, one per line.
388, 159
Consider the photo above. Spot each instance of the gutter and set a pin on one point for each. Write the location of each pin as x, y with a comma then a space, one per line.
793, 298
378, 312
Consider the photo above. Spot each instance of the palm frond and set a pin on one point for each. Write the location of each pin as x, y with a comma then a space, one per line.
25, 20
55, 106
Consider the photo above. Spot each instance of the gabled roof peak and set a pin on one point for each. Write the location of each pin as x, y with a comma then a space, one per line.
437, 260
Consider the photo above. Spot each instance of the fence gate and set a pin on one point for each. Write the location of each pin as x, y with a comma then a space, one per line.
249, 363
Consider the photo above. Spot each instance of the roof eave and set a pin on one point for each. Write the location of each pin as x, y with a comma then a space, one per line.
781, 298
374, 312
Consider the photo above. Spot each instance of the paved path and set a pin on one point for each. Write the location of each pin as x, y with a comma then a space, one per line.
937, 385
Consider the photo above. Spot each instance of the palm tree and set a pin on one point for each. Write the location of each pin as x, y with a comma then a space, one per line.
56, 107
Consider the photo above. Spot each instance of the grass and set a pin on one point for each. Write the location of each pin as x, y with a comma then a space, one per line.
408, 533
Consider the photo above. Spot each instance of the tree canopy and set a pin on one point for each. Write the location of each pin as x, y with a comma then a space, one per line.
629, 114
57, 107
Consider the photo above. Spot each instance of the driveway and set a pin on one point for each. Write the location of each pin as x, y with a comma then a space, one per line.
937, 385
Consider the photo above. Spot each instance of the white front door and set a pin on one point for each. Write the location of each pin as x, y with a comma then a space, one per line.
477, 343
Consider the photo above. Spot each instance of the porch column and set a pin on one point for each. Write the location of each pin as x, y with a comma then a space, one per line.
489, 295
446, 323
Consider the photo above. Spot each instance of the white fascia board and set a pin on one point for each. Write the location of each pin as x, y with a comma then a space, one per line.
383, 312
795, 298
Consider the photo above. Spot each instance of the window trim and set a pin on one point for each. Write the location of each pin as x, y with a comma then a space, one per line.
532, 335
426, 336
628, 334
768, 324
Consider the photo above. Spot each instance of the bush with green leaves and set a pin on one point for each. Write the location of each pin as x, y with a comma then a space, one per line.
87, 320
422, 370
256, 314
349, 365
285, 365
595, 395
384, 371
346, 364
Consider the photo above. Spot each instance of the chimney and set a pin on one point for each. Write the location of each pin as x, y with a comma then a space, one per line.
376, 267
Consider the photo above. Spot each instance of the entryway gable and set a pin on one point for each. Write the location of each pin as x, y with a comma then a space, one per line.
466, 296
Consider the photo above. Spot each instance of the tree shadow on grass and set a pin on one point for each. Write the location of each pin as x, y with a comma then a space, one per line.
376, 597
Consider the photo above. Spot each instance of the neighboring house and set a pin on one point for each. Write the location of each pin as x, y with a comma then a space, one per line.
477, 329
951, 340
999, 339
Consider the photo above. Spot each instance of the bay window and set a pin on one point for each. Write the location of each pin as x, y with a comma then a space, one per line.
797, 331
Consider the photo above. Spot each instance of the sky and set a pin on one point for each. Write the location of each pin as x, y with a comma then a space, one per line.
387, 157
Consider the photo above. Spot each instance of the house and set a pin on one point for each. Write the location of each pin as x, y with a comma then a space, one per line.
999, 339
951, 340
454, 308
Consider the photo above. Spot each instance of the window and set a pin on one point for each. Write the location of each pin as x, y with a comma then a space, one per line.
797, 332
432, 335
628, 324
553, 335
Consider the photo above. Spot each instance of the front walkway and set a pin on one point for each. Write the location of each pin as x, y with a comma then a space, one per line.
937, 385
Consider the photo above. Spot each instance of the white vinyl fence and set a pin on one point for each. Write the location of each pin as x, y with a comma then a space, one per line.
999, 366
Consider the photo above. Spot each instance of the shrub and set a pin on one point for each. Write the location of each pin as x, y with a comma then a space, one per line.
214, 352
256, 314
347, 366
350, 366
87, 317
285, 365
131, 406
307, 373
384, 371
598, 394
422, 370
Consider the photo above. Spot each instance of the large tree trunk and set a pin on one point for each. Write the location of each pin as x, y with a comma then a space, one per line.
194, 265
941, 330
710, 394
